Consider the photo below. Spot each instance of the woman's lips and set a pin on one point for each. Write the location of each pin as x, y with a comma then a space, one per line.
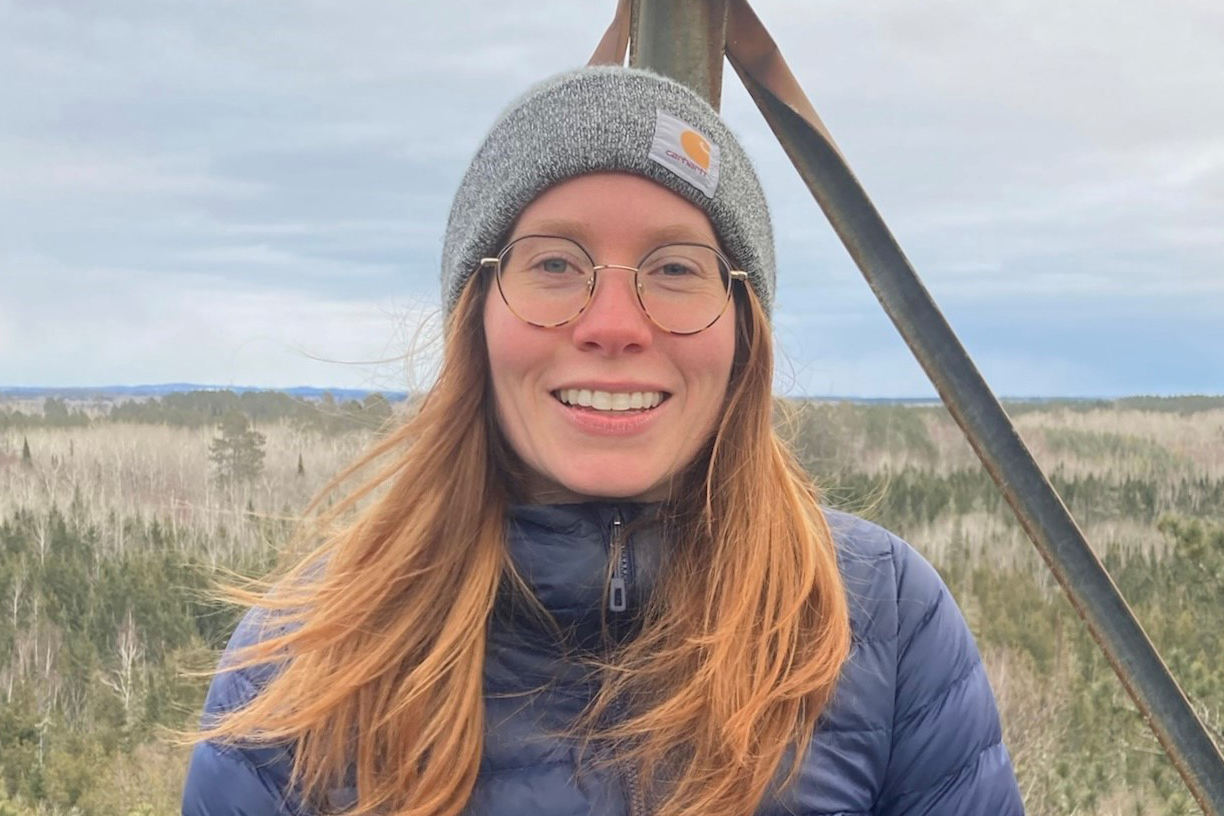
625, 422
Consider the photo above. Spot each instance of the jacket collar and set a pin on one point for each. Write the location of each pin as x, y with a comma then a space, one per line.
568, 553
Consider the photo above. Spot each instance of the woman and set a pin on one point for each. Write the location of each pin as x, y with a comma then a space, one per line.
594, 581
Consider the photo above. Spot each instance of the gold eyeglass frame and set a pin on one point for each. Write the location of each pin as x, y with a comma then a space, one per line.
496, 265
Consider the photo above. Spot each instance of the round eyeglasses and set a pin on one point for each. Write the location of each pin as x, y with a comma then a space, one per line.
547, 281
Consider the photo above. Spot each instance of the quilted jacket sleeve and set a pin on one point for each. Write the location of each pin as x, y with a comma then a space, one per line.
225, 780
947, 756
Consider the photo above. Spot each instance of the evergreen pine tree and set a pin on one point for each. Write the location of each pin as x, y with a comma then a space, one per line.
237, 452
301, 470
26, 459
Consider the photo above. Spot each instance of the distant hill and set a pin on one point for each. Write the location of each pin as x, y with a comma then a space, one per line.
1188, 403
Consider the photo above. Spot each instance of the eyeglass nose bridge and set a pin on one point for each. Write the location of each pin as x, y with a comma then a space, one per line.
593, 282
637, 281
638, 291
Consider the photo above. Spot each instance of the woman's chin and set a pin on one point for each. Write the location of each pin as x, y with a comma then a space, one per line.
607, 485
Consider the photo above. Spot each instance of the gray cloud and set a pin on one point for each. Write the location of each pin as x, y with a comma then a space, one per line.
170, 173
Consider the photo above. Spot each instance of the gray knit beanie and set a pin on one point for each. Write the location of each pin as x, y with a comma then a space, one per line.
601, 119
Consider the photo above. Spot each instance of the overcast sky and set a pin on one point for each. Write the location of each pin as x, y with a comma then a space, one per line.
247, 192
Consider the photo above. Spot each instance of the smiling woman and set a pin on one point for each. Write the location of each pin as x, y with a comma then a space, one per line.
596, 442
594, 580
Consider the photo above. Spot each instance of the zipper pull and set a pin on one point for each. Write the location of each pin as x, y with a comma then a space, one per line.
616, 588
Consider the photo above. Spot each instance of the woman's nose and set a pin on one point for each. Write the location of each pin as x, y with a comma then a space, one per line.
613, 322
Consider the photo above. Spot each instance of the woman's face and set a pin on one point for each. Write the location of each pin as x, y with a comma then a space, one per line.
578, 452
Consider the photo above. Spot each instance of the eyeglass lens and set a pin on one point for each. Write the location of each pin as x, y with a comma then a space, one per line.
548, 281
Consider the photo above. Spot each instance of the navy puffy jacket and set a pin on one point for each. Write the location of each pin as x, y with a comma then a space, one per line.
912, 729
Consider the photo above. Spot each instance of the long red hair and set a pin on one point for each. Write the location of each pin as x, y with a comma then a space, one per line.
379, 631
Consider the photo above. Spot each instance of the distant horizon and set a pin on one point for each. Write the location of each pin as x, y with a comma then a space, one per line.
159, 389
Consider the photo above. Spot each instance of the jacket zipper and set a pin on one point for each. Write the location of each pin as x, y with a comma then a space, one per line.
618, 555
637, 807
621, 558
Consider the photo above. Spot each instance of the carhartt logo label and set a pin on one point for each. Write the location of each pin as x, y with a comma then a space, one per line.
697, 148
686, 152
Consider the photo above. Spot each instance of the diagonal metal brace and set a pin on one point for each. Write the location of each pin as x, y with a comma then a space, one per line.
696, 33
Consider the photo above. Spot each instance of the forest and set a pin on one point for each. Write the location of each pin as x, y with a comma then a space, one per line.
119, 517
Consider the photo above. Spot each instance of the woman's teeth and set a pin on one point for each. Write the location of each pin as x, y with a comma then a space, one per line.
609, 401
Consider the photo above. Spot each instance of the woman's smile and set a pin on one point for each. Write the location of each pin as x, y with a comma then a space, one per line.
601, 400
612, 413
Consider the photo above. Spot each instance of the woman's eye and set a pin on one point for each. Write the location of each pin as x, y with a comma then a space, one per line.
554, 266
675, 269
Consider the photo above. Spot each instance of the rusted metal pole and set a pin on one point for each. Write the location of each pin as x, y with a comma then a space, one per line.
1038, 507
682, 39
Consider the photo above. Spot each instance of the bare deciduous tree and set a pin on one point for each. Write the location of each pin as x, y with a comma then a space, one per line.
124, 678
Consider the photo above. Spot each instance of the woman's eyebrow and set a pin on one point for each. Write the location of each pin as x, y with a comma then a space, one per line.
680, 233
